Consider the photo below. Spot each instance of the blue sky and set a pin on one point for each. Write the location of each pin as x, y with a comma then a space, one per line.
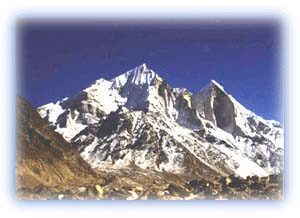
58, 59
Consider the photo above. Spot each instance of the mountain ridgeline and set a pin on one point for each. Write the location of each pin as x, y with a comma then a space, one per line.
137, 120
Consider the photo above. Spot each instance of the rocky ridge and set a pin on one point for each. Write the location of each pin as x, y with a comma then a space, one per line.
45, 162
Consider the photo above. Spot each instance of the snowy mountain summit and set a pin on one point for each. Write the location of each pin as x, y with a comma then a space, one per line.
138, 120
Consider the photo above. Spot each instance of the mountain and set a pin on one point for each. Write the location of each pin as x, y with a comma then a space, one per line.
45, 161
138, 120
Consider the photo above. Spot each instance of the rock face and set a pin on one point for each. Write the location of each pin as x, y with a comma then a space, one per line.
45, 161
138, 120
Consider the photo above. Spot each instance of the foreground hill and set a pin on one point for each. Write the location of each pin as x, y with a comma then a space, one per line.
45, 162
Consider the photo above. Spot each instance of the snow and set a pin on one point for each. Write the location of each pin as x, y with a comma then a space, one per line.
138, 76
72, 127
248, 168
134, 96
178, 90
51, 110
107, 98
217, 84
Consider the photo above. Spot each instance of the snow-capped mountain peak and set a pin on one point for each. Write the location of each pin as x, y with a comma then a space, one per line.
137, 118
139, 75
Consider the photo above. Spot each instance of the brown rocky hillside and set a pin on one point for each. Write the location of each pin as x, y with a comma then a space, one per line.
45, 162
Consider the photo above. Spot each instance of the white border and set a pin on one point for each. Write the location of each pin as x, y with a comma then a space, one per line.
288, 10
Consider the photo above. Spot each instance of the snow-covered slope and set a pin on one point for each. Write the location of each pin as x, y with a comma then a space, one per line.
137, 119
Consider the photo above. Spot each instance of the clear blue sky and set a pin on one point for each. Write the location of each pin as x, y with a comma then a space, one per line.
58, 59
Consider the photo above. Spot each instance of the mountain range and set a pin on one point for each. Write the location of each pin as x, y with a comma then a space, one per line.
138, 121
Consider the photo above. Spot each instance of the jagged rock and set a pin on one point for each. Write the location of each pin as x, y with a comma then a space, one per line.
133, 196
176, 190
196, 186
82, 189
